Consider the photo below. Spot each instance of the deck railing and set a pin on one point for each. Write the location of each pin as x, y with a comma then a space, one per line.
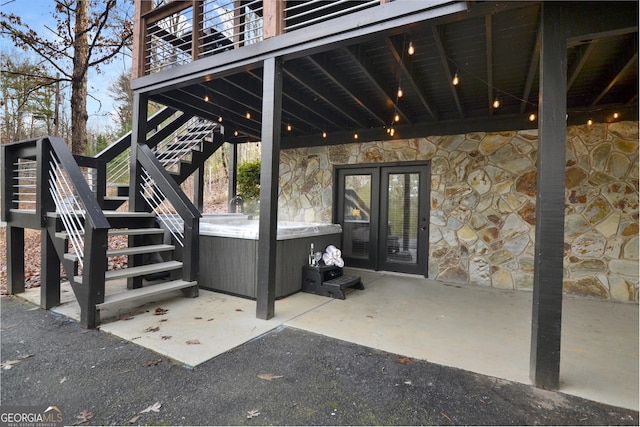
179, 32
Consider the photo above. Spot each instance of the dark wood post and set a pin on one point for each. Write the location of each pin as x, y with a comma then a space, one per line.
550, 201
136, 201
269, 171
15, 260
233, 177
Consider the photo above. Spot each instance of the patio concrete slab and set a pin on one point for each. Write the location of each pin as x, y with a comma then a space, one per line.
483, 330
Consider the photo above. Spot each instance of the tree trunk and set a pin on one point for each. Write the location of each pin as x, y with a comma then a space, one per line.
79, 114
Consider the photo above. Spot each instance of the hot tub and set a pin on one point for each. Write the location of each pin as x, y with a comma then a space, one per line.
229, 253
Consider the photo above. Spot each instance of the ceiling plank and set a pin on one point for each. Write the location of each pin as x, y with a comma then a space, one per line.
621, 73
340, 81
447, 71
408, 77
322, 93
375, 84
288, 114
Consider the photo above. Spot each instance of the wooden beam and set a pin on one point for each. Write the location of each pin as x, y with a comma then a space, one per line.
273, 18
139, 37
533, 67
409, 78
622, 73
546, 321
488, 37
376, 84
269, 172
583, 60
445, 65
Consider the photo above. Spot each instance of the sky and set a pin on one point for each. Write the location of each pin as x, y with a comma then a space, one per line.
38, 15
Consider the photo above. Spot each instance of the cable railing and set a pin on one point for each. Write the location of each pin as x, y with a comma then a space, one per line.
164, 210
24, 184
300, 14
180, 144
169, 41
226, 26
68, 207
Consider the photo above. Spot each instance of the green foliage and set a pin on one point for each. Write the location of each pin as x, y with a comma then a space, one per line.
249, 180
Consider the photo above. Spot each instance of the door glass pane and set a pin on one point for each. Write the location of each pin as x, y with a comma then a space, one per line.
356, 216
402, 228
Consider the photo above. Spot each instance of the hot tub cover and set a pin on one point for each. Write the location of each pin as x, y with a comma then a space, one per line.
248, 229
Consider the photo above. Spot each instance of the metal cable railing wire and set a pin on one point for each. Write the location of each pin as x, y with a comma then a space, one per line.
163, 209
71, 213
24, 181
290, 15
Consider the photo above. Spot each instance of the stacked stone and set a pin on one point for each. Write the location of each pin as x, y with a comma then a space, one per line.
483, 190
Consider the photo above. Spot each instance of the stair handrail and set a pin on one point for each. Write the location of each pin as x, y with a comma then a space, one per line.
189, 213
84, 198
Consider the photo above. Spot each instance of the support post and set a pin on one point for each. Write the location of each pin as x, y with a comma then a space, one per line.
15, 260
198, 187
233, 176
550, 202
49, 271
136, 201
269, 171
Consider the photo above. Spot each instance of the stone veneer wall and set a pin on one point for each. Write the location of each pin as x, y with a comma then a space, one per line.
483, 189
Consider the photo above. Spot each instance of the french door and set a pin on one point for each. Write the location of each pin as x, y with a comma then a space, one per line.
384, 213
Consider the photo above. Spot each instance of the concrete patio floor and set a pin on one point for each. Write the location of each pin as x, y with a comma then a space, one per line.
483, 330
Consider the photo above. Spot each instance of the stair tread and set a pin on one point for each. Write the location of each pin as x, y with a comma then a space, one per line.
129, 251
122, 232
145, 292
141, 270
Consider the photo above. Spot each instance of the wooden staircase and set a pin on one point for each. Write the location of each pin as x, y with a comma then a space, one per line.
162, 257
159, 275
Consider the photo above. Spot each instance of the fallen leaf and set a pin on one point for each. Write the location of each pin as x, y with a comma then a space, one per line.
152, 329
163, 320
153, 408
134, 419
252, 414
191, 342
9, 364
166, 337
446, 416
239, 309
198, 318
84, 417
160, 311
153, 362
63, 380
405, 360
25, 356
269, 377
209, 320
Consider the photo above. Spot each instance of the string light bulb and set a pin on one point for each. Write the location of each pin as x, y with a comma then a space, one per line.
589, 122
411, 49
206, 98
496, 103
456, 80
400, 92
532, 117
235, 133
248, 115
396, 118
289, 128
392, 132
355, 136
616, 115
324, 134
220, 119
